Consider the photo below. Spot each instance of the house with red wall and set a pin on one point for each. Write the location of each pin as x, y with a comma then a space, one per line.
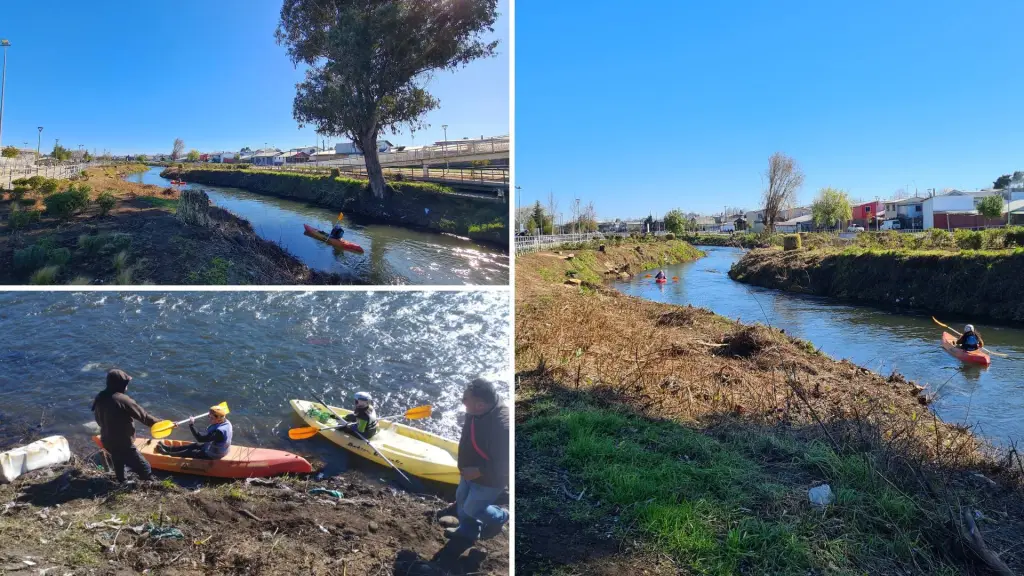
866, 213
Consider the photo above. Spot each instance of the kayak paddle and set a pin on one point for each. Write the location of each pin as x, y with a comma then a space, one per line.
986, 349
361, 437
163, 428
416, 413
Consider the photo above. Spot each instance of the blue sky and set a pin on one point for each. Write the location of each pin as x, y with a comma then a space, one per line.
642, 109
132, 76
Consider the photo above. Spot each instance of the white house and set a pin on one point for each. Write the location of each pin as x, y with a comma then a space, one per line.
350, 148
803, 223
265, 157
223, 157
956, 209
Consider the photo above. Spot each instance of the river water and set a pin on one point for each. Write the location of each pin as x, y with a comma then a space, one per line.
393, 254
992, 399
254, 350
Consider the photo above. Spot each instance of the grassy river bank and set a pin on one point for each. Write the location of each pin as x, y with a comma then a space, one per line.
661, 439
100, 229
970, 274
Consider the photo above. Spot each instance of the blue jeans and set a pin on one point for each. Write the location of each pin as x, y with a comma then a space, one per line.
475, 507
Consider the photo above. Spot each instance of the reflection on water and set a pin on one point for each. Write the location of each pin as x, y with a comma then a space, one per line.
254, 350
393, 254
991, 398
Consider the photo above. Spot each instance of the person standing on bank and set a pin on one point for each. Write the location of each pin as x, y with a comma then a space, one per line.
483, 464
115, 412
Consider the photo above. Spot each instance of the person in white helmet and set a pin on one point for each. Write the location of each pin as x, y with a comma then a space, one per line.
970, 340
363, 418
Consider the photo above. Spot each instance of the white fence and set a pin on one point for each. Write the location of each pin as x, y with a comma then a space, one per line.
535, 243
9, 172
452, 151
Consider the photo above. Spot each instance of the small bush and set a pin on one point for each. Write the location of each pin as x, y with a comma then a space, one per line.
20, 182
27, 202
81, 281
670, 236
335, 173
45, 276
18, 192
29, 258
66, 204
106, 201
968, 239
938, 238
104, 243
58, 256
48, 186
791, 242
121, 261
35, 181
23, 218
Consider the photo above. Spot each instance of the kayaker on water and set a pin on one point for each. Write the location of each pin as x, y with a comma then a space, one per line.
337, 232
363, 418
213, 445
660, 275
970, 340
483, 463
115, 411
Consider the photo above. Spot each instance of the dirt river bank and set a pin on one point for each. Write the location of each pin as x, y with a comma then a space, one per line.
75, 520
662, 439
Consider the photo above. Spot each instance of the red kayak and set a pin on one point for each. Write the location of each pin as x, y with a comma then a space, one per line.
978, 357
337, 242
240, 461
660, 280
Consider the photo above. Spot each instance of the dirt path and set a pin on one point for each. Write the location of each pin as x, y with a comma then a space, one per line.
140, 241
74, 520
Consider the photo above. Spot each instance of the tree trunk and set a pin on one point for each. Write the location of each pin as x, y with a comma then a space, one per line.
373, 169
194, 208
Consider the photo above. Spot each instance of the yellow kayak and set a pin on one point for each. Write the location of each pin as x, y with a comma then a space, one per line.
415, 452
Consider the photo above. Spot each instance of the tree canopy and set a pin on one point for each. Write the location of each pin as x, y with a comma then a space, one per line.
60, 153
1002, 182
675, 221
193, 156
831, 208
784, 179
368, 62
178, 150
991, 206
10, 152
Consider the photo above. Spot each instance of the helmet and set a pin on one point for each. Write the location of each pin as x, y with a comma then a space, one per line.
364, 396
969, 328
220, 410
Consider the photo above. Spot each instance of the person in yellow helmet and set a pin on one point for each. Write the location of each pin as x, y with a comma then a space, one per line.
212, 445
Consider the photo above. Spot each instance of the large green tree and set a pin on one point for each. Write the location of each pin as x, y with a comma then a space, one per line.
991, 206
193, 156
368, 61
1002, 182
60, 153
10, 152
675, 221
831, 208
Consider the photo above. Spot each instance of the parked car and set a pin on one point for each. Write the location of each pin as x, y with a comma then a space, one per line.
891, 225
855, 228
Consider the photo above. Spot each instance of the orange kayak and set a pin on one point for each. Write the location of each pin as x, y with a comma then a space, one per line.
240, 462
338, 242
978, 357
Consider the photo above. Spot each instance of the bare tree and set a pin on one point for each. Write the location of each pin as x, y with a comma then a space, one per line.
179, 149
784, 179
552, 210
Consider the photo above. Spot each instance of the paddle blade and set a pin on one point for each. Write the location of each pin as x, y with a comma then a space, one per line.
224, 406
647, 275
303, 433
161, 429
419, 412
340, 216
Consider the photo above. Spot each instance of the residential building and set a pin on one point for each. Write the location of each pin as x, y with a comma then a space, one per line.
909, 211
803, 223
958, 209
755, 218
350, 148
265, 157
868, 214
294, 157
323, 155
223, 157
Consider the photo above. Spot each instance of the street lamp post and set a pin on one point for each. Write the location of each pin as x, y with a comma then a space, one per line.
444, 148
519, 205
39, 142
3, 88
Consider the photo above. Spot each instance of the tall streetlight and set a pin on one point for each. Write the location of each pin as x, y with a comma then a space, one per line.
444, 148
519, 205
39, 142
3, 87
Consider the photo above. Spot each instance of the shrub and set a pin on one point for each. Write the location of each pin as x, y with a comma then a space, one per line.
20, 182
791, 242
66, 204
45, 276
335, 173
23, 218
58, 256
29, 258
18, 192
968, 239
106, 202
27, 202
48, 186
670, 236
35, 181
938, 238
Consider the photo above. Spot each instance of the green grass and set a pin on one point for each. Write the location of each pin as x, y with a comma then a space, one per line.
168, 204
714, 504
216, 273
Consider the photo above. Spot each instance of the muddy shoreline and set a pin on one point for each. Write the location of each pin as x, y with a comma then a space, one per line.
422, 206
587, 353
138, 240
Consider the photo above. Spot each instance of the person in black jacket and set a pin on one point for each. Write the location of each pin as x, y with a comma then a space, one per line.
483, 463
115, 411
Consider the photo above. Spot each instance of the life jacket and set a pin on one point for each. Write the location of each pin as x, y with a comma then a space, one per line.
970, 341
366, 421
216, 450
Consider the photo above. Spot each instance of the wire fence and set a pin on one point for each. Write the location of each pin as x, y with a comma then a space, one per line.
526, 244
451, 151
11, 171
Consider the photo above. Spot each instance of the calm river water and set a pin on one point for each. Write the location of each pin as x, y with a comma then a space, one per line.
393, 254
992, 399
255, 350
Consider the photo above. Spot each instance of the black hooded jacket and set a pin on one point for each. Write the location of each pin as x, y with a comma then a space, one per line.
485, 445
115, 411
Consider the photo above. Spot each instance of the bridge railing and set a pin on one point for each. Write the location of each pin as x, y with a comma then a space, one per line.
526, 244
451, 151
469, 175
9, 172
